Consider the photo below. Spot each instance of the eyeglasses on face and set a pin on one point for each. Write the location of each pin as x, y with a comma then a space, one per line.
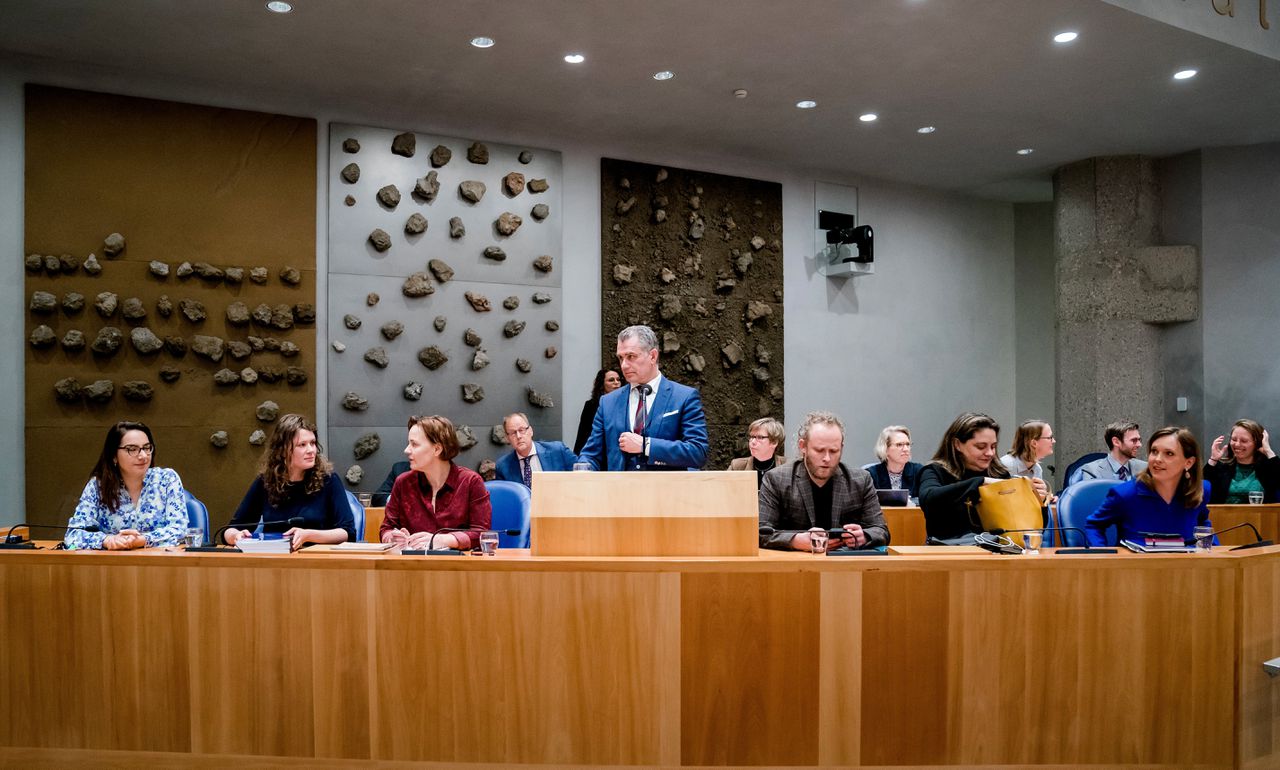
757, 438
900, 445
133, 449
518, 432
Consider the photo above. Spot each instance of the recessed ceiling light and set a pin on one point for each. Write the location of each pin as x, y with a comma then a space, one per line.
925, 130
868, 117
1025, 151
664, 75
1065, 37
279, 6
806, 104
575, 58
1184, 74
482, 42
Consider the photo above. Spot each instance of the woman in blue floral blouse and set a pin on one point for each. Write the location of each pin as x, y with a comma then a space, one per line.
128, 502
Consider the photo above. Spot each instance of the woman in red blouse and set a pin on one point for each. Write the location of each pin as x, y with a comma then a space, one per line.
436, 493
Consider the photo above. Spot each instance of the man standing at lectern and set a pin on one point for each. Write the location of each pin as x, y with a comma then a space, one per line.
654, 424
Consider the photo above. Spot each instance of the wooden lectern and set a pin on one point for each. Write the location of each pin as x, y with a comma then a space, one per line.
645, 513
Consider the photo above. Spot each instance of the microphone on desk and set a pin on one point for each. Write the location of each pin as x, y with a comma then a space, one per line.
1087, 550
1259, 544
12, 541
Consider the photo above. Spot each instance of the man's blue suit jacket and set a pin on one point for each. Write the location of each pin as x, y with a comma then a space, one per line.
676, 429
552, 456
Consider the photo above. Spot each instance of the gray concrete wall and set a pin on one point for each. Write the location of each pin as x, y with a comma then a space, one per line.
1035, 319
1182, 356
13, 315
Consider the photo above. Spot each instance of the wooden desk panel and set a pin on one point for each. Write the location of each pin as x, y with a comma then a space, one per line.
1265, 517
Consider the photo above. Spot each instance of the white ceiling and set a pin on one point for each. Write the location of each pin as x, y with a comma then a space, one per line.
985, 72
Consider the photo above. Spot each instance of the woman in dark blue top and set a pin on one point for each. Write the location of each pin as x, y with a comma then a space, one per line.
296, 481
1168, 497
895, 469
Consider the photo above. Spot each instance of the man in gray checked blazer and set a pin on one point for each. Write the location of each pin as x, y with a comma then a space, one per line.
817, 490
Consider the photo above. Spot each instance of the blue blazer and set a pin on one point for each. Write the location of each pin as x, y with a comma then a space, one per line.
1135, 508
552, 456
676, 429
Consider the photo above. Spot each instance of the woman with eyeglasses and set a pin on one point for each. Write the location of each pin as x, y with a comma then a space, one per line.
764, 439
895, 469
296, 481
1032, 442
129, 503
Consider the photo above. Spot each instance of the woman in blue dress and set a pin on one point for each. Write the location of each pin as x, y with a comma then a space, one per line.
129, 503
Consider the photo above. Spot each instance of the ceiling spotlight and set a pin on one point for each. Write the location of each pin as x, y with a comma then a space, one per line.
925, 130
869, 117
1065, 37
279, 6
806, 104
664, 75
575, 58
1025, 151
1184, 75
482, 42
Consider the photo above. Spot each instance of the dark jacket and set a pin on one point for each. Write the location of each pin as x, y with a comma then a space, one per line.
1219, 477
786, 504
910, 477
949, 503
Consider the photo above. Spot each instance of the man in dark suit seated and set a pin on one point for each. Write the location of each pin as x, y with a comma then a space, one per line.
384, 492
817, 490
654, 424
528, 455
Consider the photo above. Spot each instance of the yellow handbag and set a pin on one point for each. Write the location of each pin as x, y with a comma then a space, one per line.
1009, 505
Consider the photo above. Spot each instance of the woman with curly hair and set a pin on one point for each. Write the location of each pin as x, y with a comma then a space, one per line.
296, 480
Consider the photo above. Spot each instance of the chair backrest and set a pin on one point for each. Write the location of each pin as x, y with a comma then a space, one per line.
1081, 460
373, 524
1077, 502
357, 513
197, 515
510, 501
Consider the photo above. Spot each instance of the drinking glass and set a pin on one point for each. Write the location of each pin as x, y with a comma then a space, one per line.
489, 542
1031, 543
1204, 539
366, 500
818, 540
194, 538
1255, 498
581, 466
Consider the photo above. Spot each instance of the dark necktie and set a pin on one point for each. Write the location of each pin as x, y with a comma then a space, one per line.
640, 413
1123, 473
526, 470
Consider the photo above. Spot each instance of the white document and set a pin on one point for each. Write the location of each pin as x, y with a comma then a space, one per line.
252, 545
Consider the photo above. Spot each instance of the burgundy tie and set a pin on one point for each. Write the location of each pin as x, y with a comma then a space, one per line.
640, 414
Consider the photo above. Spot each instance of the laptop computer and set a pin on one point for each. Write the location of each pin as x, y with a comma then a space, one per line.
893, 497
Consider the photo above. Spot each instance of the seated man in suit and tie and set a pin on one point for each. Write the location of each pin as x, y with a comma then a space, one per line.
1124, 441
654, 423
528, 455
817, 490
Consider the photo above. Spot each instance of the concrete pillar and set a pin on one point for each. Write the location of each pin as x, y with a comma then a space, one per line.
1118, 288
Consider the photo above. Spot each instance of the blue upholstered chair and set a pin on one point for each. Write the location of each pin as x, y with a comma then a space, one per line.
1075, 466
1077, 502
510, 501
357, 513
197, 515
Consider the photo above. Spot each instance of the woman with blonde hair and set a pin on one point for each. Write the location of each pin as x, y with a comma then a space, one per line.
295, 480
1243, 465
765, 437
895, 469
1168, 497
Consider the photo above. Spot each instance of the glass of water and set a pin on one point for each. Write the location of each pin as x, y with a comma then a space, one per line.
818, 540
489, 542
581, 466
194, 538
366, 500
1255, 498
1204, 539
1031, 543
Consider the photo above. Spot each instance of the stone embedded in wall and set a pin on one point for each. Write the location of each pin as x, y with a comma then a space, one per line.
257, 343
113, 245
472, 393
694, 363
261, 315
106, 304
441, 270
295, 376
226, 377
756, 311
67, 390
192, 310
267, 411
42, 337
440, 156
52, 266
354, 402
351, 322
659, 216
478, 153
389, 196
513, 183
391, 329
697, 227
538, 186
479, 360
541, 298
258, 437
661, 176
404, 144
351, 173
666, 275
670, 342
73, 340
513, 328
552, 326
133, 310
175, 346
416, 224
731, 355
456, 228
524, 365
108, 341
625, 205
760, 374
372, 298
417, 285
479, 302
91, 265
282, 317
289, 349
427, 188
43, 303
249, 375
351, 145
757, 243
724, 282
498, 435
440, 322
379, 239
543, 264
525, 157
413, 391
304, 313
145, 341
219, 439
495, 253
507, 223
270, 374
540, 400
238, 313
487, 469
540, 212
34, 263
208, 272
511, 303
207, 347
354, 475
742, 264
99, 391
234, 275
158, 268
471, 337
170, 373
432, 357
164, 306
290, 275
366, 445
239, 350
350, 200
258, 275
551, 351
669, 307
622, 274
471, 190
338, 347
185, 270
466, 437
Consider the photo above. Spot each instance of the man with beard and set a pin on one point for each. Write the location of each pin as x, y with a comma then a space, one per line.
1124, 441
817, 490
